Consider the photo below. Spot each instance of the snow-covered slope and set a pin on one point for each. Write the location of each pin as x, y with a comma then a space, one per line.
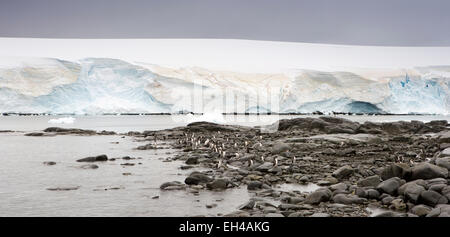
103, 85
204, 75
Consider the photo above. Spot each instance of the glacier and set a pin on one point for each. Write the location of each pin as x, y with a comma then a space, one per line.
108, 85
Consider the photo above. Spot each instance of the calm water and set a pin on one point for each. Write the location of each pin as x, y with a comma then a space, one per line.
158, 122
23, 190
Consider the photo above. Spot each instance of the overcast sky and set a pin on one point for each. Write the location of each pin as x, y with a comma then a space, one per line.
381, 22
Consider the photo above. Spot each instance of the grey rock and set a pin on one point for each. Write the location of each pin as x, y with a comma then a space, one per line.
432, 198
343, 172
217, 184
169, 184
265, 167
89, 167
192, 161
348, 199
412, 192
49, 163
372, 194
396, 170
390, 214
443, 162
420, 210
428, 171
197, 178
387, 200
254, 185
318, 196
445, 152
94, 159
390, 186
371, 181
279, 147
440, 211
446, 192
437, 187
339, 186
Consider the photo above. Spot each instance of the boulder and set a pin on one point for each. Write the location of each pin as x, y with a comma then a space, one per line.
192, 161
443, 162
371, 181
390, 186
279, 147
428, 171
396, 170
343, 172
94, 158
265, 167
217, 184
432, 198
440, 211
348, 199
420, 210
412, 192
318, 196
196, 178
254, 185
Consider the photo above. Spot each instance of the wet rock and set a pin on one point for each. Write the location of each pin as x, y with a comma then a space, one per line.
421, 210
217, 184
443, 162
94, 159
49, 163
166, 185
348, 199
318, 196
212, 205
432, 198
343, 172
428, 171
65, 188
35, 134
197, 178
440, 211
396, 170
371, 181
192, 161
254, 185
390, 186
89, 167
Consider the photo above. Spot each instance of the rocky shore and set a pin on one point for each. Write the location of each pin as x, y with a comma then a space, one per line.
395, 169
398, 168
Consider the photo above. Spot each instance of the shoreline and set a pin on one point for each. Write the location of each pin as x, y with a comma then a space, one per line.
400, 168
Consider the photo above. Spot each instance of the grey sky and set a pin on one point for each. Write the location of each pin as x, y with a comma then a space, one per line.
381, 22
